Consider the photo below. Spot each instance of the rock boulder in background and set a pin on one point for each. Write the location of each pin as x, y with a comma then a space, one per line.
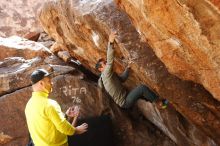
15, 73
19, 47
19, 17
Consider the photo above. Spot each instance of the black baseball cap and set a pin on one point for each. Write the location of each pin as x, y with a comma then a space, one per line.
38, 75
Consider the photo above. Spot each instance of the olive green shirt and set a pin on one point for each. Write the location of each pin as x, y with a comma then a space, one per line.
110, 81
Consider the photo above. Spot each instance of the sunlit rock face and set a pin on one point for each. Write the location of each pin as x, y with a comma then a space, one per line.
184, 35
82, 28
216, 3
18, 17
19, 47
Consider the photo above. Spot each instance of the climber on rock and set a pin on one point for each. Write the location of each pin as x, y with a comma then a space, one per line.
112, 83
46, 122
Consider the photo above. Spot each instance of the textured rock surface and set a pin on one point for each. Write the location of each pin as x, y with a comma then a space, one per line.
82, 28
18, 47
13, 122
216, 3
46, 40
18, 17
69, 90
179, 129
33, 36
4, 138
184, 35
15, 72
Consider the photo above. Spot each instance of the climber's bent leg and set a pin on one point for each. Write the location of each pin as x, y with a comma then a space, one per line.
139, 92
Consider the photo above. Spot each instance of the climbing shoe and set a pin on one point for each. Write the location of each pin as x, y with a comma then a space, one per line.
165, 103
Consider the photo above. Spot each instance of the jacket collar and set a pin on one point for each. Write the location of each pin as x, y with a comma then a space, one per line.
39, 94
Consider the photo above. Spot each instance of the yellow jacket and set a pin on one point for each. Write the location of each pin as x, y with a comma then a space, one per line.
46, 122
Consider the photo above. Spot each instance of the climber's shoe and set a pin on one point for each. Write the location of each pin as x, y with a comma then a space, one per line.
165, 103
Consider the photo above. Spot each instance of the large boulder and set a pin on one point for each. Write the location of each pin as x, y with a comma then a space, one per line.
82, 28
19, 47
13, 122
184, 35
15, 73
19, 17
